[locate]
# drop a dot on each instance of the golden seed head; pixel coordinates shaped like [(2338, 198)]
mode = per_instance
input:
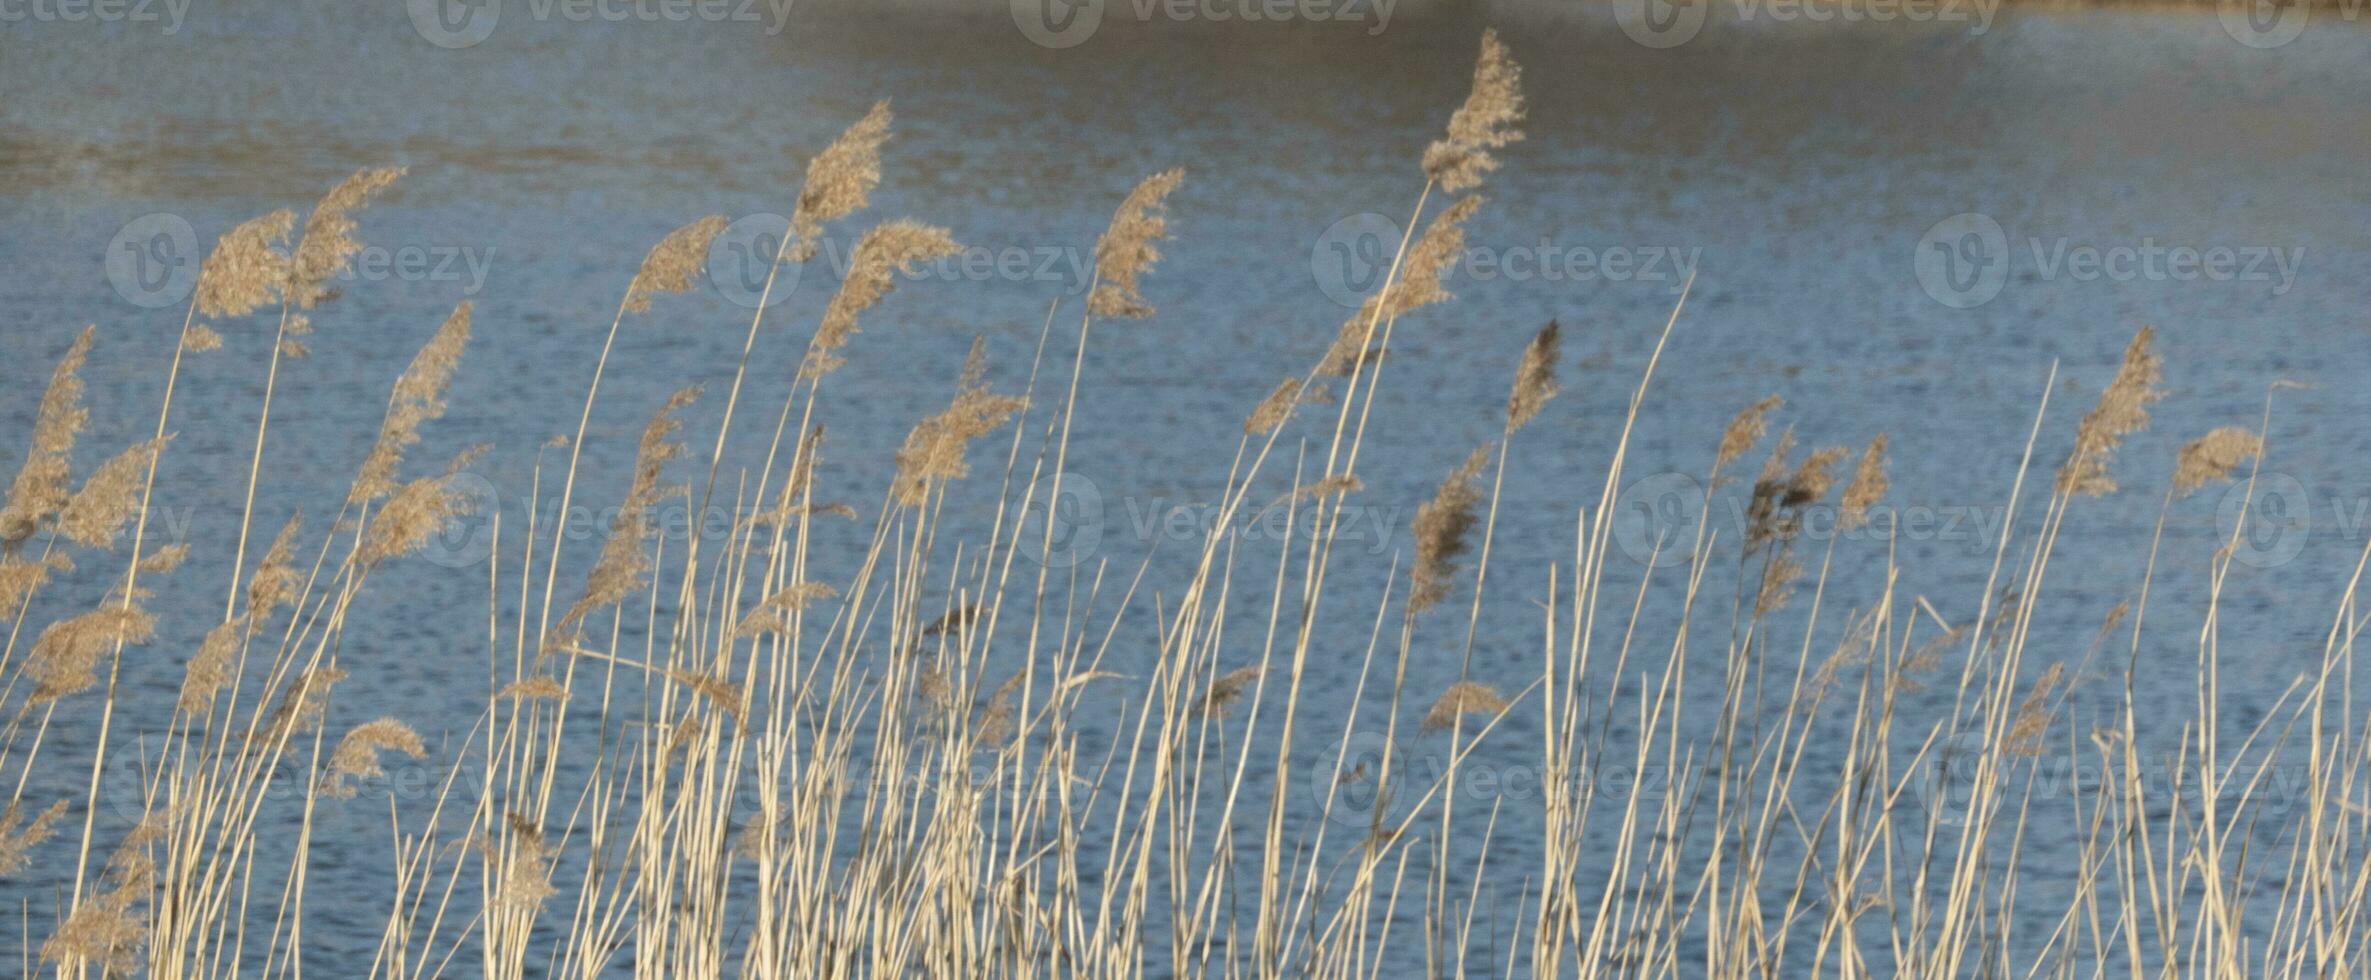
[(418, 398), (1226, 690), (1274, 410), (328, 242), (109, 497), (2212, 457), (1744, 431), (1535, 378), (2123, 409), (839, 180), (247, 268), (1461, 699), (1485, 122), (1867, 487), (1441, 526), (357, 755), (934, 450), (673, 265), (18, 839), (39, 491), (66, 656), (1418, 285), (884, 253), (1126, 250), (619, 571)]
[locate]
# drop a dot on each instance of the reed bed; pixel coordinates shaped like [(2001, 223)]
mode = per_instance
[(697, 757)]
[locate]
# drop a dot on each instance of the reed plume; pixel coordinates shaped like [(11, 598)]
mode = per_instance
[(328, 242), (1744, 432), (2211, 458), (2123, 409), (419, 398), (673, 265), (209, 671), (934, 449), (536, 687), (417, 511), (619, 571), (1866, 489), (1461, 699), (1419, 285), (18, 839), (1535, 379), (1126, 250), (1226, 690), (39, 490), (839, 180), (883, 254), (357, 754), (274, 582), (66, 656), (109, 497), (773, 615), (1485, 122), (1441, 526), (247, 270), (1274, 410)]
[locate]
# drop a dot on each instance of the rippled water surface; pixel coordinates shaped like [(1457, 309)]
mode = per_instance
[(1802, 172)]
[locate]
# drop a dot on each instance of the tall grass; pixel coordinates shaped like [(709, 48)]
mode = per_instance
[(698, 757)]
